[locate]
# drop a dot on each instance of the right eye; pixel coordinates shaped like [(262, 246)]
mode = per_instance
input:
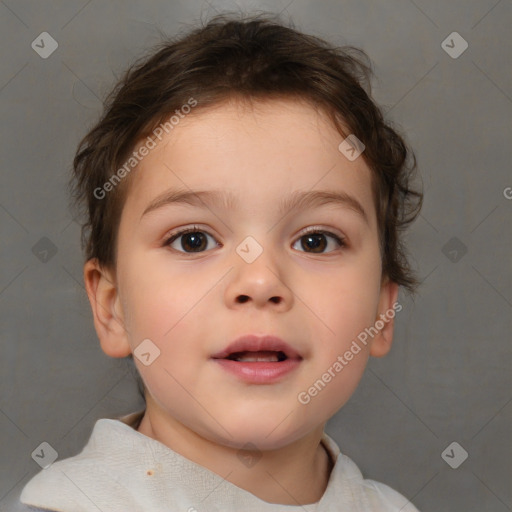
[(193, 240)]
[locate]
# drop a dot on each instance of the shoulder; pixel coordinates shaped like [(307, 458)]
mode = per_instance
[(369, 494), (385, 496), (90, 479), (70, 484)]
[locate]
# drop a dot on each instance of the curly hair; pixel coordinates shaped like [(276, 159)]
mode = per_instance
[(252, 58)]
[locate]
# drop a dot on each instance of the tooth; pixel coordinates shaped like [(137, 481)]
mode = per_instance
[(256, 359)]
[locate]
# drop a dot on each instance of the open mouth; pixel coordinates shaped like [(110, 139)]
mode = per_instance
[(268, 356), (259, 366), (257, 359)]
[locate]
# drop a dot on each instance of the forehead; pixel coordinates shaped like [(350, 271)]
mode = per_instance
[(257, 152)]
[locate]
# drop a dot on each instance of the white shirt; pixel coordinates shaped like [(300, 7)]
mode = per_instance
[(122, 470)]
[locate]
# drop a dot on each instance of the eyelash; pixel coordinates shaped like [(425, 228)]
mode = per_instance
[(194, 229)]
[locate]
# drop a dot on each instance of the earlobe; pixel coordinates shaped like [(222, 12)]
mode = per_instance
[(104, 299), (385, 321)]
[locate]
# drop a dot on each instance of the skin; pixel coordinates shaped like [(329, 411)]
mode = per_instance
[(192, 305)]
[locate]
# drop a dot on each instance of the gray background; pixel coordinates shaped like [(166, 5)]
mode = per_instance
[(448, 377)]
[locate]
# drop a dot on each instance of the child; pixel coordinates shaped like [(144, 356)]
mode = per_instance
[(244, 200)]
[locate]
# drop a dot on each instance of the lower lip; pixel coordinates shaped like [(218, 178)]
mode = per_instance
[(260, 372)]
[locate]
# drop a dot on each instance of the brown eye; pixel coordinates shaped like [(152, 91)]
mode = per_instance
[(317, 241), (189, 241)]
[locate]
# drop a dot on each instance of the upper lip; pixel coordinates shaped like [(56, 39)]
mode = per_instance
[(255, 343)]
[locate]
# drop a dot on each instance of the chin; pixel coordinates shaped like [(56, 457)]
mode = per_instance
[(265, 431)]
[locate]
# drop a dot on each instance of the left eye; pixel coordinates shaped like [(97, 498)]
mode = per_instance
[(316, 241)]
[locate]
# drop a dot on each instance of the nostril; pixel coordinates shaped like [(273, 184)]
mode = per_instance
[(245, 298)]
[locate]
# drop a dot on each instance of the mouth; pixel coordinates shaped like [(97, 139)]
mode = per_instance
[(258, 359), (254, 357), (253, 348)]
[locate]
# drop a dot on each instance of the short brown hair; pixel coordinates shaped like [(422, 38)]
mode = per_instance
[(253, 58)]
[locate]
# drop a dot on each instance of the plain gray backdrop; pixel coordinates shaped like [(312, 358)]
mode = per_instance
[(448, 376)]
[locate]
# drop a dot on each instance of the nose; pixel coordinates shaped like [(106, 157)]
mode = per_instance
[(262, 283)]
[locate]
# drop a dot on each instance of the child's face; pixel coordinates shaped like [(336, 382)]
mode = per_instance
[(312, 293)]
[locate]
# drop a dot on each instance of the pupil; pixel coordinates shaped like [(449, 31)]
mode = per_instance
[(195, 240), (314, 242)]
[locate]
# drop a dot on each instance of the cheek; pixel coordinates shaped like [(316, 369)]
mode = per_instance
[(345, 303), (155, 299), (152, 312), (331, 391), (169, 309)]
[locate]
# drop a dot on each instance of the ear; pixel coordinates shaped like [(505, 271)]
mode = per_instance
[(388, 307), (106, 308)]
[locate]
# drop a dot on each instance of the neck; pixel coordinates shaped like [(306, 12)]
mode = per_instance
[(296, 474)]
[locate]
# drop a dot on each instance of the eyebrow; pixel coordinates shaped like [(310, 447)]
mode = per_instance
[(296, 201)]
